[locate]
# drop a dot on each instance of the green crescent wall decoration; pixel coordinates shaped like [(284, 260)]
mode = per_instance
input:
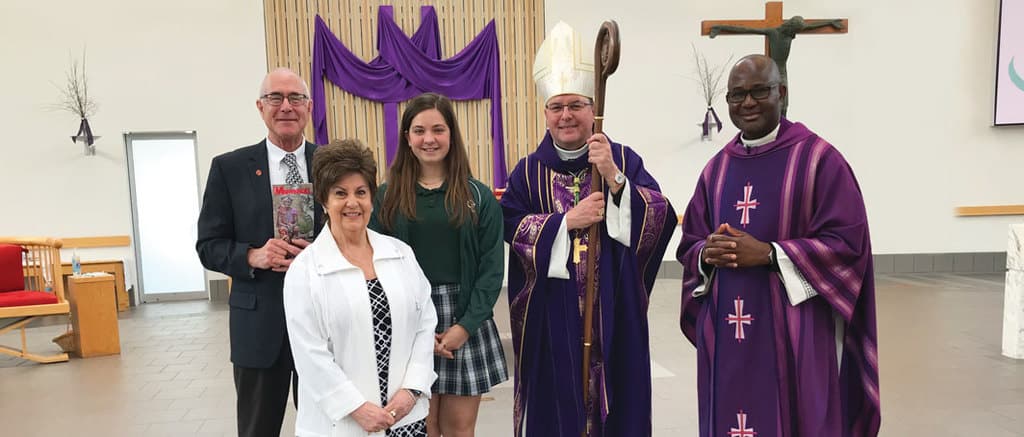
[(1017, 80)]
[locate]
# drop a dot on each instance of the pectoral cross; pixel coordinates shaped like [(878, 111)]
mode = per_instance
[(578, 247)]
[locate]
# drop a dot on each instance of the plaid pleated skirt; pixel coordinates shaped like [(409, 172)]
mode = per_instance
[(479, 364)]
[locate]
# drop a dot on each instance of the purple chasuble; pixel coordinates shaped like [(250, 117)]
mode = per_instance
[(766, 366), (547, 314)]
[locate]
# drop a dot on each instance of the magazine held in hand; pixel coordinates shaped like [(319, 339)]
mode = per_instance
[(293, 211)]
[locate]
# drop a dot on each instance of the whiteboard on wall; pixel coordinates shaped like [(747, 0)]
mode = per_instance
[(164, 186), (1010, 67)]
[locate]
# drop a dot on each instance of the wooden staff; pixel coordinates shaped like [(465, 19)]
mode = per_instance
[(606, 60)]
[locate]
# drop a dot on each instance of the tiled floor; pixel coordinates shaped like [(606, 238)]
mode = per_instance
[(942, 372)]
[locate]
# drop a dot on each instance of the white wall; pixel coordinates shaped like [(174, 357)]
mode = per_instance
[(906, 96), (909, 104), (152, 65)]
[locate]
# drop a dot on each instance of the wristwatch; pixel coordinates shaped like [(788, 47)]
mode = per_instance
[(620, 178), (415, 393)]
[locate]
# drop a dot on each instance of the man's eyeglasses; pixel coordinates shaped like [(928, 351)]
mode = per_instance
[(276, 99), (759, 93), (573, 107)]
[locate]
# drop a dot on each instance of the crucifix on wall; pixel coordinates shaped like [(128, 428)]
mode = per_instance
[(778, 33)]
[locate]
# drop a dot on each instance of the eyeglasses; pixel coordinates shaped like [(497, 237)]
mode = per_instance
[(759, 93), (276, 99), (573, 107)]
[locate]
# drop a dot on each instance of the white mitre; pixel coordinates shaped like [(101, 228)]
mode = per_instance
[(563, 65)]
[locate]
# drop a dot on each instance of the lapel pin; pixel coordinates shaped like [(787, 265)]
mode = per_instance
[(259, 172)]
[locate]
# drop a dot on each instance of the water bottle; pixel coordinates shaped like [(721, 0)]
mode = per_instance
[(76, 264)]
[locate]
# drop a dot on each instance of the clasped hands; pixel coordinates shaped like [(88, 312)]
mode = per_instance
[(376, 419), (732, 248), (449, 341), (276, 254)]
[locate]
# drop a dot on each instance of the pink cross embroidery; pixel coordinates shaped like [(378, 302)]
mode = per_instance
[(739, 319), (742, 430), (746, 204)]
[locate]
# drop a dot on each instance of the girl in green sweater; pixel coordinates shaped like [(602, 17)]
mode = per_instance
[(454, 225)]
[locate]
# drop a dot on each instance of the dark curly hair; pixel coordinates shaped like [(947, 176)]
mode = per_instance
[(339, 159)]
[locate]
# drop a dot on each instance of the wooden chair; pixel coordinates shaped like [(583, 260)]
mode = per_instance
[(31, 286)]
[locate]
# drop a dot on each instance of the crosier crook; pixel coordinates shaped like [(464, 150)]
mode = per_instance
[(606, 60)]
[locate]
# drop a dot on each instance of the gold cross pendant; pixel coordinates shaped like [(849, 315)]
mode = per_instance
[(578, 247)]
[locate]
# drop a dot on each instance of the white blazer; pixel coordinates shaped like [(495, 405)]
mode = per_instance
[(330, 327)]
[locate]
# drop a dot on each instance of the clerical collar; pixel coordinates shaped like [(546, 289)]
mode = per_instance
[(761, 141), (569, 155)]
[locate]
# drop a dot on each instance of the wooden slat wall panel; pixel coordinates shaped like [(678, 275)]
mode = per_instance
[(520, 29)]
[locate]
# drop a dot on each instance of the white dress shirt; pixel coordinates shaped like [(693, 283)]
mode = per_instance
[(278, 169)]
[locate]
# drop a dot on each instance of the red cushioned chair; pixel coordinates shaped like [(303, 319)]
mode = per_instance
[(31, 286)]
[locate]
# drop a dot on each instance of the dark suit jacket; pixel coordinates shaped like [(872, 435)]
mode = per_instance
[(237, 214)]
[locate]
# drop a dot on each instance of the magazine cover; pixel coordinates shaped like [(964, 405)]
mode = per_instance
[(293, 211)]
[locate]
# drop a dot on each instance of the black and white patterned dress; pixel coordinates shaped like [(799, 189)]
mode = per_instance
[(382, 342)]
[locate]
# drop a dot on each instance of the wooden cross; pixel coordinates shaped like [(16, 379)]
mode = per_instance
[(772, 19), (578, 247)]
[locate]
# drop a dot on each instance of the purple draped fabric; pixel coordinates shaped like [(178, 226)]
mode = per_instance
[(407, 67), (799, 192), (706, 125), (84, 131), (546, 313)]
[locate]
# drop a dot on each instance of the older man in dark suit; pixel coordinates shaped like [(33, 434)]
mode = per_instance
[(236, 238)]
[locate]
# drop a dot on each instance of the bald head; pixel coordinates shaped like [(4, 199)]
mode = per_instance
[(759, 64), (281, 74), (754, 94)]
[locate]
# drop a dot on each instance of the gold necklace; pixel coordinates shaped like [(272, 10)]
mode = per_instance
[(430, 185)]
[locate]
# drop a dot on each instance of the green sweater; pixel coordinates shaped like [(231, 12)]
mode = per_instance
[(481, 250), (433, 238)]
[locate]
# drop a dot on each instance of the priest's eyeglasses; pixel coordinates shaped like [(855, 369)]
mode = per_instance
[(276, 99), (573, 107), (759, 93)]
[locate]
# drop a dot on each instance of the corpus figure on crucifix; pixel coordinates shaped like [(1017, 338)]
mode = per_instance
[(548, 209), (779, 38), (778, 287), (778, 34)]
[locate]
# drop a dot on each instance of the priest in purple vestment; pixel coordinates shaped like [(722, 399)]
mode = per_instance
[(548, 207), (778, 288)]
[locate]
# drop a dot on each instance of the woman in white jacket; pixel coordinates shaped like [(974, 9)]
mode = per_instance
[(359, 314)]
